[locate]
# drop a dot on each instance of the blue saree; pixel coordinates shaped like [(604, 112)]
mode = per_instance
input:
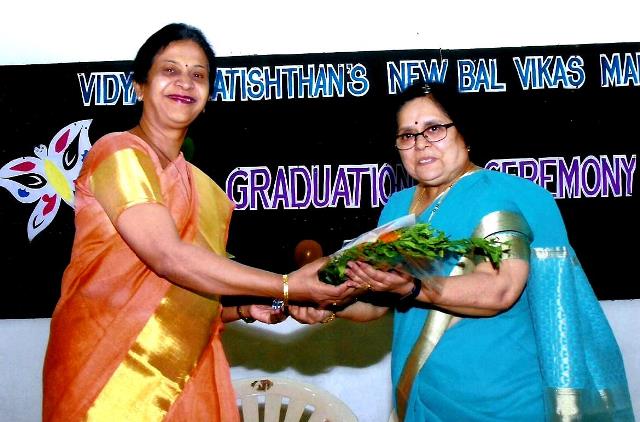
[(549, 357)]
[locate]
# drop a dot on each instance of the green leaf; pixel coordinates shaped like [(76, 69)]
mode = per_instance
[(419, 241)]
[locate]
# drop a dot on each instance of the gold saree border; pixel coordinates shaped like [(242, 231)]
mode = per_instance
[(434, 327), (134, 179), (214, 214), (501, 225), (509, 228), (566, 405), (553, 252), (156, 368), (500, 221)]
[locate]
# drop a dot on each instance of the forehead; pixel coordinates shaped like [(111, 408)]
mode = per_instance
[(184, 52), (419, 110)]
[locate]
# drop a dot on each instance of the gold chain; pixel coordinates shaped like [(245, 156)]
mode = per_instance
[(416, 203), (153, 146)]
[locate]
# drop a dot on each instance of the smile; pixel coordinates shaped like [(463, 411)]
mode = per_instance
[(427, 160), (183, 99)]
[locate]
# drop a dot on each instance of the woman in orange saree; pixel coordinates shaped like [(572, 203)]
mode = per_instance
[(135, 335)]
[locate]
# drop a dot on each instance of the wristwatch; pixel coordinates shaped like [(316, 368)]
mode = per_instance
[(415, 291)]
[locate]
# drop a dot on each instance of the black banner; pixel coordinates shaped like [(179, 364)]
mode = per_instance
[(304, 145)]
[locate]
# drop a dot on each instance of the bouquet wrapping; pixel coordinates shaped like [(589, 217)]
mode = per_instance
[(416, 247)]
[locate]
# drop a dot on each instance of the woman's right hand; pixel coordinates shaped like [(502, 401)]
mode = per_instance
[(392, 281), (305, 286)]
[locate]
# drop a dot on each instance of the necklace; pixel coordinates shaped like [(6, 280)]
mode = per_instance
[(139, 131), (143, 135), (441, 196)]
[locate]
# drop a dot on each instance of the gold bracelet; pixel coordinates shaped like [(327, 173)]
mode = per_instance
[(285, 292), (328, 319)]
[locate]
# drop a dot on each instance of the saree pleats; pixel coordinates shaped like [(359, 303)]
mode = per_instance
[(500, 226), (157, 366)]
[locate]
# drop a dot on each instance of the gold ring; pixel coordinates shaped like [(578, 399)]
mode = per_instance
[(328, 319)]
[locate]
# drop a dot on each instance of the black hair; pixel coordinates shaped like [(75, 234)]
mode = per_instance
[(452, 102), (161, 39)]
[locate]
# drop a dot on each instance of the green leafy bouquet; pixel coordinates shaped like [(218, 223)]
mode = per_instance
[(415, 247)]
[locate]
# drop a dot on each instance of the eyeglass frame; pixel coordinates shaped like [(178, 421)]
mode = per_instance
[(426, 137)]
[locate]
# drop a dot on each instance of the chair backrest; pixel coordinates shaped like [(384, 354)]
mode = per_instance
[(284, 400)]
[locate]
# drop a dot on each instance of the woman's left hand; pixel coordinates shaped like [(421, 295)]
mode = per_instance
[(309, 315), (305, 287), (266, 314), (392, 281)]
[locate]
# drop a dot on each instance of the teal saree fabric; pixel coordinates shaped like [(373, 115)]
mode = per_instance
[(552, 356)]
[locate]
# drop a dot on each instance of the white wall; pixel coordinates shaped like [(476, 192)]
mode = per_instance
[(347, 359), (43, 31)]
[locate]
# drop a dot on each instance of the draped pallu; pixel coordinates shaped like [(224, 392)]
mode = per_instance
[(551, 356), (126, 344)]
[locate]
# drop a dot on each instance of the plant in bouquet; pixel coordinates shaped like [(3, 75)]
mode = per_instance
[(416, 247)]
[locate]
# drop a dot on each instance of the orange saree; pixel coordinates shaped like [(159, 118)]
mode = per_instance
[(125, 344)]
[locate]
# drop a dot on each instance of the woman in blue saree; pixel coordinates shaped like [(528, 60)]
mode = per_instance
[(525, 341)]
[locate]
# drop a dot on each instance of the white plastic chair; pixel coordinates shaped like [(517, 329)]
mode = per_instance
[(285, 400)]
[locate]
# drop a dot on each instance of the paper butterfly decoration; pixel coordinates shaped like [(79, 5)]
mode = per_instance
[(49, 176)]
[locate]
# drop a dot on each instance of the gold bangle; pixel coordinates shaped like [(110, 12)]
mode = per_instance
[(328, 319), (285, 292)]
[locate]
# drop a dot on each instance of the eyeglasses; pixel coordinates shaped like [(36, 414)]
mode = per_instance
[(433, 133)]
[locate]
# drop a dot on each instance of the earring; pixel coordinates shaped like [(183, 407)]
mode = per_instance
[(468, 149), (203, 110)]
